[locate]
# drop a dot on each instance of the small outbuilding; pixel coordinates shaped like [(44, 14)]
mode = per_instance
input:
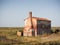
[(36, 26)]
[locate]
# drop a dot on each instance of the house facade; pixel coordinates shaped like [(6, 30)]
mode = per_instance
[(36, 26)]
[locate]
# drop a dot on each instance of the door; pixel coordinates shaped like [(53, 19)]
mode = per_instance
[(33, 32)]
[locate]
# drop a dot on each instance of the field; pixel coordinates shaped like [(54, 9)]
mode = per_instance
[(8, 36)]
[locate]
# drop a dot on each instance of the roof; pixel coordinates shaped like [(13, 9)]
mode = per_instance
[(37, 18)]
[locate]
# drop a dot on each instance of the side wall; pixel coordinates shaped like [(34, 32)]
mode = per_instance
[(27, 29)]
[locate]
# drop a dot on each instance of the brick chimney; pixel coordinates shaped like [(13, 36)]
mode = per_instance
[(30, 14)]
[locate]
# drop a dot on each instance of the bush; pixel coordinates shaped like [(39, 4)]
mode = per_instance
[(57, 30)]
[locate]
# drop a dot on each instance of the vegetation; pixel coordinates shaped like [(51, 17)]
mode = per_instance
[(8, 36)]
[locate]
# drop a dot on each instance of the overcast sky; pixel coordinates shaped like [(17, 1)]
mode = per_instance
[(13, 12)]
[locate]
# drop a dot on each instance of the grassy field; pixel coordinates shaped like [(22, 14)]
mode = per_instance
[(8, 36)]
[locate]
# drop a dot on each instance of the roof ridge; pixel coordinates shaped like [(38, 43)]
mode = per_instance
[(38, 18)]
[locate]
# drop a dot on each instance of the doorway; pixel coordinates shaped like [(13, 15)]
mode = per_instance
[(33, 32)]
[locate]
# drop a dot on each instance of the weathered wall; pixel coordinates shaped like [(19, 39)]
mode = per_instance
[(27, 29)]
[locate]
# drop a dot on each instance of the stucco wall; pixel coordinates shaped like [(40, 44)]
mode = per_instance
[(27, 29)]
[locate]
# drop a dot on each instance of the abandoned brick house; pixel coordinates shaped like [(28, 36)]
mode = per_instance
[(36, 26)]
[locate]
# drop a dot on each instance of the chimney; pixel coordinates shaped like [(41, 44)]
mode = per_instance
[(30, 14)]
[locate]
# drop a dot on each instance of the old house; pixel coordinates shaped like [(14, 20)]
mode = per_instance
[(36, 26)]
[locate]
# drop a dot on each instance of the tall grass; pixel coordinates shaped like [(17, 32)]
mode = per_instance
[(9, 37)]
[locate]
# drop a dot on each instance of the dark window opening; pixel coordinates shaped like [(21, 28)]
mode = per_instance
[(43, 26)]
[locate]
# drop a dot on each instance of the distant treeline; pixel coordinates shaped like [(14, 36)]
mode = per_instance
[(11, 27), (21, 28)]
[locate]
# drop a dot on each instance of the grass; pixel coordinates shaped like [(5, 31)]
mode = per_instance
[(8, 36)]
